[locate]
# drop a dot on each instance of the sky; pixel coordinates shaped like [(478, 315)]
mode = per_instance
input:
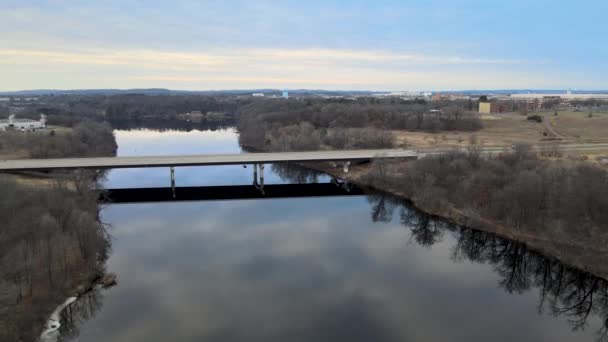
[(346, 45)]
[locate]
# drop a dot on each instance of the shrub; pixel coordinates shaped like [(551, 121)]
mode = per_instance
[(535, 117)]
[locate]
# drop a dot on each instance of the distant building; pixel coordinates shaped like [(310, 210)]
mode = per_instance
[(561, 97), (285, 94), (485, 107), (257, 94), (495, 107), (22, 124), (439, 97)]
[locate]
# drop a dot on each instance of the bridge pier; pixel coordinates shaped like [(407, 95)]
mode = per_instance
[(346, 165), (262, 177), (255, 174), (172, 169), (258, 185)]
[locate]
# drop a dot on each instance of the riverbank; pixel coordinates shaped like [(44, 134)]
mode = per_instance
[(53, 247), (52, 244), (571, 245)]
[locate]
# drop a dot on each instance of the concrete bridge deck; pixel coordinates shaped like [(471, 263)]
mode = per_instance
[(199, 160)]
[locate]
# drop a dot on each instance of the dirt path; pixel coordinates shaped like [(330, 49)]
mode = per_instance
[(547, 120)]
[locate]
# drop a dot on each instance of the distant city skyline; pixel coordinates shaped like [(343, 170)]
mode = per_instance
[(333, 45)]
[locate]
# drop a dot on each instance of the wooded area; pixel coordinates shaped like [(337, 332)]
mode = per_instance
[(562, 199), (51, 241), (309, 124), (68, 110), (86, 139)]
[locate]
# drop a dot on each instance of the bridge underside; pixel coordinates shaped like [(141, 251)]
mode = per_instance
[(229, 192)]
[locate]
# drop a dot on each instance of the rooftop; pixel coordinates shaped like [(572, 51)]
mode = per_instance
[(17, 120), (564, 96)]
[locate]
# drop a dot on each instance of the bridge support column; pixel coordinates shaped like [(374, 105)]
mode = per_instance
[(262, 178), (346, 165), (258, 184), (255, 174), (172, 180)]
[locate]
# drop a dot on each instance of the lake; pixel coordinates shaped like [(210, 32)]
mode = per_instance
[(356, 268)]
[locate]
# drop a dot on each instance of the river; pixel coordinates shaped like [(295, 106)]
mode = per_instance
[(359, 268)]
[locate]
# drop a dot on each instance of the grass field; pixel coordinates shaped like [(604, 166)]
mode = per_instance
[(503, 130), (511, 128), (577, 126)]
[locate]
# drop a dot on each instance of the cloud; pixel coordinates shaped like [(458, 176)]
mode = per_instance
[(232, 57), (252, 68)]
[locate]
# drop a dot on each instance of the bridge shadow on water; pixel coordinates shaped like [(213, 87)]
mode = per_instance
[(228, 192)]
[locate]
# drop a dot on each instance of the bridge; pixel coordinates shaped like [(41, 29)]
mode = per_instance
[(345, 157), (257, 159), (199, 160)]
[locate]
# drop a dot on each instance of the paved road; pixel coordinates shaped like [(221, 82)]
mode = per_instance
[(499, 149), (244, 158), (198, 160)]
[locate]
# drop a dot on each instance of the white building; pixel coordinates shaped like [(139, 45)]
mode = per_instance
[(564, 97), (257, 94), (22, 124)]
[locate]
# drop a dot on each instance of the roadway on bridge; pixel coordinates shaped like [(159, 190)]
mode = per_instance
[(199, 160), (248, 158)]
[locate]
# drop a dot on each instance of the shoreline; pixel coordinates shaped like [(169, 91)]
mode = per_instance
[(50, 332), (567, 252)]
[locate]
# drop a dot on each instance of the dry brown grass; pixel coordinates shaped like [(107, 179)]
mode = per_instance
[(508, 129), (6, 155), (35, 180), (577, 126)]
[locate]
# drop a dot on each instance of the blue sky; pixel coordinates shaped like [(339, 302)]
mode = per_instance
[(376, 45)]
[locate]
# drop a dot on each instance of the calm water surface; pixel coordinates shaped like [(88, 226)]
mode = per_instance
[(315, 269)]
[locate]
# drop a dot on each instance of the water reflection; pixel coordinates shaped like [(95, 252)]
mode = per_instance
[(288, 289), (297, 174), (564, 291), (318, 269), (79, 312)]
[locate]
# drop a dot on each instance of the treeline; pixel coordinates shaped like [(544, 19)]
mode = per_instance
[(173, 125), (564, 199), (137, 107), (51, 242), (364, 123), (86, 139), (68, 110)]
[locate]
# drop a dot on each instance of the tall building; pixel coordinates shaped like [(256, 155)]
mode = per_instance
[(285, 94)]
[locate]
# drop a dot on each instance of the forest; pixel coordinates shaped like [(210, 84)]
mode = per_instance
[(311, 124), (51, 242), (86, 139), (68, 110), (561, 199)]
